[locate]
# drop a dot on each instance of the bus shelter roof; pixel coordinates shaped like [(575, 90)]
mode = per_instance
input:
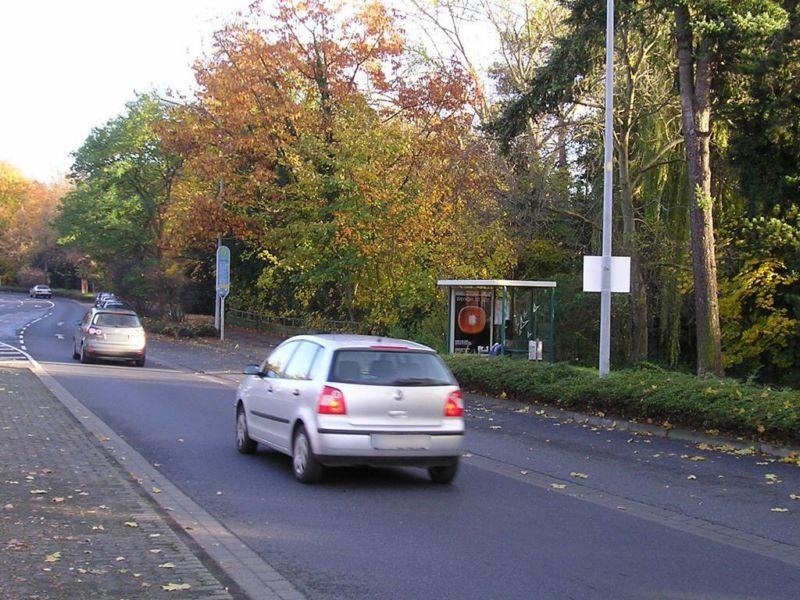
[(463, 283)]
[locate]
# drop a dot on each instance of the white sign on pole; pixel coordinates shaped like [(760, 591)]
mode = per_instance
[(620, 274)]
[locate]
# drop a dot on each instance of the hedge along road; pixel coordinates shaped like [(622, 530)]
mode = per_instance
[(541, 509)]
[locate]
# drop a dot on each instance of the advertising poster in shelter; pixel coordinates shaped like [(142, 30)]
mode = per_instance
[(473, 312)]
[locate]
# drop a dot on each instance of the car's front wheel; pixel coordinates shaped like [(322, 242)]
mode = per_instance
[(444, 473), (305, 465), (244, 443)]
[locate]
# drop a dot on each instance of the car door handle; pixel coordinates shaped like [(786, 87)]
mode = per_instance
[(295, 392)]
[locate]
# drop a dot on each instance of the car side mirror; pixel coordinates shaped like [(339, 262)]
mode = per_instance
[(252, 370)]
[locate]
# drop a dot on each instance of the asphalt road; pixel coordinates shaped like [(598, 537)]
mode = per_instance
[(542, 508)]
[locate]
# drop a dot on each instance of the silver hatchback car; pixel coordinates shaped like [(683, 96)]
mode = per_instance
[(109, 333), (337, 400)]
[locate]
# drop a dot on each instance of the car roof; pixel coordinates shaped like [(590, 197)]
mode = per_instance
[(114, 310), (338, 341)]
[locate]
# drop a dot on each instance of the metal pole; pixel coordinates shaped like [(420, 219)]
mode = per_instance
[(220, 197), (216, 295), (222, 318), (608, 180)]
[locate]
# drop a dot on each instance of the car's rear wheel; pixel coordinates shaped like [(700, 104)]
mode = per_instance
[(85, 358), (444, 473), (244, 443), (305, 465)]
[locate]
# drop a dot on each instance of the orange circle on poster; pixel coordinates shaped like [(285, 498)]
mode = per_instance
[(471, 319)]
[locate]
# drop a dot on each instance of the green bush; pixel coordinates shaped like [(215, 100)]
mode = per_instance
[(647, 394)]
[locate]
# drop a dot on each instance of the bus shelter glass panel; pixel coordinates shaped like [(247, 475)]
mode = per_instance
[(473, 320), (527, 321)]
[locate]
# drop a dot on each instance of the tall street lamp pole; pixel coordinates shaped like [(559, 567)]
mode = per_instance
[(608, 180)]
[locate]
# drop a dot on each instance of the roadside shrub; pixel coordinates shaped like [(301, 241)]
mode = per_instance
[(644, 394), (179, 330)]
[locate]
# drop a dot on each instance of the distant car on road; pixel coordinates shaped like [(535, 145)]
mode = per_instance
[(113, 302), (41, 291), (102, 297), (331, 400), (109, 333)]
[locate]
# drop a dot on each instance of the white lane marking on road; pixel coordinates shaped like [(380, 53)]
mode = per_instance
[(11, 353)]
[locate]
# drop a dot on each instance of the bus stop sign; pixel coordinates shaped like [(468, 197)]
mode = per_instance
[(223, 271)]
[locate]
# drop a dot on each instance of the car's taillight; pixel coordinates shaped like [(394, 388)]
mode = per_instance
[(455, 405), (331, 402), (94, 331)]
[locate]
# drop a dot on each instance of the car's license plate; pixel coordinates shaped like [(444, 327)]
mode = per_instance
[(388, 441)]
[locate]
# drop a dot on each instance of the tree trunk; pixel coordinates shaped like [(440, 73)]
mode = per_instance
[(694, 77)]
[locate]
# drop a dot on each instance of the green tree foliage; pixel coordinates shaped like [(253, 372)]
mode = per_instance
[(116, 213), (760, 301)]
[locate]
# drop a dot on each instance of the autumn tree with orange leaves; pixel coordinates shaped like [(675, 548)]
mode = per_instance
[(350, 175), (28, 252)]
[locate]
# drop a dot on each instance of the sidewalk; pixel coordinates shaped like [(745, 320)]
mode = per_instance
[(74, 524)]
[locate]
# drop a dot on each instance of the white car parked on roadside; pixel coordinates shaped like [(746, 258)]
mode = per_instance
[(337, 400)]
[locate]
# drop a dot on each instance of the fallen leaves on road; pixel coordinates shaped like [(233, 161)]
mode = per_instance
[(692, 477), (558, 486), (792, 459), (176, 587), (779, 510), (167, 565), (579, 475), (54, 557), (131, 524)]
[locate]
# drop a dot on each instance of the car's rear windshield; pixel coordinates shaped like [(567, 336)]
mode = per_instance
[(117, 320), (389, 367)]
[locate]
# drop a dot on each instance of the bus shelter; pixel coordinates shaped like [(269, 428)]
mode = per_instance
[(499, 316)]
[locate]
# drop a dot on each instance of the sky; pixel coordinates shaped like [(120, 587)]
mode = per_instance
[(71, 65), (68, 66)]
